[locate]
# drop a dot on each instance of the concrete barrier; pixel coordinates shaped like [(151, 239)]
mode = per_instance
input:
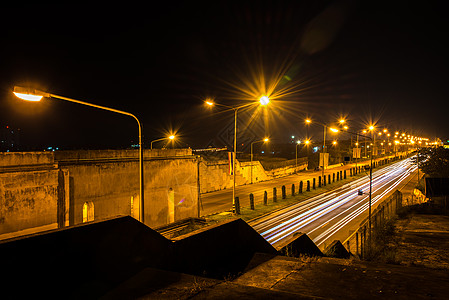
[(219, 251), (337, 250), (82, 261), (298, 244)]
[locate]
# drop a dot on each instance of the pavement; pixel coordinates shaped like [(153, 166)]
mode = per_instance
[(283, 277)]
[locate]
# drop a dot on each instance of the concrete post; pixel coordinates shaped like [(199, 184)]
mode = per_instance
[(319, 181), (308, 186), (293, 189), (344, 174), (284, 194), (329, 178), (300, 187), (333, 177), (237, 205), (314, 183), (265, 198), (251, 201), (324, 180)]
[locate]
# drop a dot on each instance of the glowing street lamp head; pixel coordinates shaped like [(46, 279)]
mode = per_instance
[(28, 94), (333, 129), (342, 121), (209, 102), (371, 128), (265, 139), (171, 137), (306, 142), (264, 100), (308, 121)]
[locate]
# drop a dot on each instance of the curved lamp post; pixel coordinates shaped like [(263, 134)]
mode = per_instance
[(171, 137), (264, 100), (29, 94)]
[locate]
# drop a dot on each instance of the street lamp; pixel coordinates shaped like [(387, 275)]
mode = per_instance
[(308, 121), (263, 100), (171, 137), (264, 140), (29, 94)]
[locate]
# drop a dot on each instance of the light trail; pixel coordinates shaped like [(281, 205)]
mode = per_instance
[(340, 206)]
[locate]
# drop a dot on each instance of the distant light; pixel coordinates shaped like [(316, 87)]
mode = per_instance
[(262, 152), (210, 103), (171, 137), (28, 97), (333, 129), (371, 127), (264, 100), (293, 136), (266, 140), (308, 121), (298, 142)]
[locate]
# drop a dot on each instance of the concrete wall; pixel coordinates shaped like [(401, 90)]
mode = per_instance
[(46, 190), (214, 176), (29, 193), (110, 180)]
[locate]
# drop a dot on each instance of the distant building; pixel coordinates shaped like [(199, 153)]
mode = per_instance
[(9, 138)]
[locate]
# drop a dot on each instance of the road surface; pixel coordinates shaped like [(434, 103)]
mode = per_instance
[(328, 216), (220, 201)]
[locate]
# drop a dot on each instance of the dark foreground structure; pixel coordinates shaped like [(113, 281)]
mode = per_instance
[(121, 258)]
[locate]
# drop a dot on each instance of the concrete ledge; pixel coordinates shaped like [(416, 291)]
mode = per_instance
[(336, 250), (219, 251), (298, 244), (81, 261)]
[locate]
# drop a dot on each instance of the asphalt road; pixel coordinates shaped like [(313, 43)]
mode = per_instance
[(332, 215), (220, 201)]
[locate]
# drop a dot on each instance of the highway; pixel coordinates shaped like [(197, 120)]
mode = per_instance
[(330, 215), (220, 201)]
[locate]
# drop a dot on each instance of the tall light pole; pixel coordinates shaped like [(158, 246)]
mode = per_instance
[(264, 100), (296, 160), (264, 140), (36, 95), (171, 137)]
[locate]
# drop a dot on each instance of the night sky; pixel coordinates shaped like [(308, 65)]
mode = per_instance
[(384, 62)]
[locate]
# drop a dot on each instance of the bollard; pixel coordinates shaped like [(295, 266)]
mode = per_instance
[(251, 201), (300, 187), (338, 176), (275, 197), (324, 180), (341, 175), (329, 178), (265, 198), (284, 194), (237, 206), (314, 183), (308, 185), (319, 181), (293, 189), (333, 177), (344, 174), (350, 172)]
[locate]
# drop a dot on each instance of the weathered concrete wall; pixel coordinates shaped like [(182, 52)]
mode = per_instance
[(14, 159), (28, 198), (45, 190), (214, 176), (110, 180)]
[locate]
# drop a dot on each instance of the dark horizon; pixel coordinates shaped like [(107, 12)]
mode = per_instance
[(384, 64)]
